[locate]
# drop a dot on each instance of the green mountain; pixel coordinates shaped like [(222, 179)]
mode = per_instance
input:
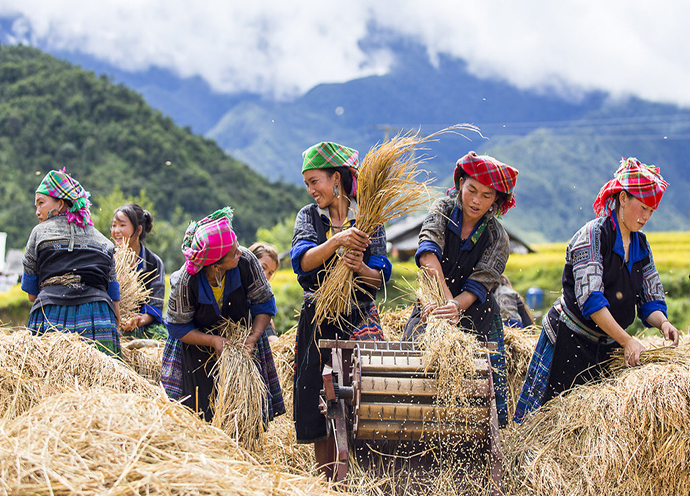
[(53, 114)]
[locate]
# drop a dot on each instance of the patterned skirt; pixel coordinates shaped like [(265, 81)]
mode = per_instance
[(93, 321)]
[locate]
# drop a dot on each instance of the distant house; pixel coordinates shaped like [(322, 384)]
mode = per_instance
[(403, 237)]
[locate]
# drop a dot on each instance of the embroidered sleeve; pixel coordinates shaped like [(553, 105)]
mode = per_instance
[(652, 297), (30, 255), (304, 237), (379, 254), (258, 288), (584, 254), (434, 226), (493, 262), (181, 304)]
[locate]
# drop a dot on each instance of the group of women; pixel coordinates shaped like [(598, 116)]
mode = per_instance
[(609, 275)]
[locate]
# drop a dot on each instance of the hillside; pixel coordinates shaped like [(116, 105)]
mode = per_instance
[(53, 114)]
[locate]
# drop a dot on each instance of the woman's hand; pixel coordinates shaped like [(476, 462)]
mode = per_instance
[(131, 324), (631, 351), (670, 332), (354, 259), (450, 311), (250, 344), (427, 308), (218, 344), (353, 239)]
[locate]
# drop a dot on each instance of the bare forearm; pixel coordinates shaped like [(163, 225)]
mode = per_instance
[(317, 256), (369, 276), (199, 338), (608, 324)]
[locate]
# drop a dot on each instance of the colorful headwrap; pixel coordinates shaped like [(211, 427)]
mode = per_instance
[(327, 155), (61, 186), (207, 241), (642, 181), (490, 172)]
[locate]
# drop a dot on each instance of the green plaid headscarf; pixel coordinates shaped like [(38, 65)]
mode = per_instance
[(58, 184), (328, 155)]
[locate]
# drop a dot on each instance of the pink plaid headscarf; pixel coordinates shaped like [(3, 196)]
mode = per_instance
[(207, 241)]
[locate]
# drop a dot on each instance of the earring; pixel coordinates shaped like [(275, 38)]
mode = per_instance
[(336, 190), (219, 281)]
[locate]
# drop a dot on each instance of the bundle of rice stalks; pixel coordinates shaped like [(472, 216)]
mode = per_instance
[(387, 188), (655, 353), (133, 291), (623, 436), (519, 348), (145, 356), (393, 322), (240, 395), (36, 367), (99, 442), (448, 350)]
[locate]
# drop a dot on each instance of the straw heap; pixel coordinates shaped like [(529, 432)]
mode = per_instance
[(36, 367), (99, 442), (448, 351), (133, 291), (240, 394), (393, 321), (657, 351), (387, 188), (519, 348), (623, 436), (145, 356)]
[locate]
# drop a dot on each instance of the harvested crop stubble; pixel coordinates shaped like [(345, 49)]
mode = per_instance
[(623, 436), (100, 442), (133, 290), (36, 367), (145, 356), (240, 395), (387, 188), (519, 348), (448, 351)]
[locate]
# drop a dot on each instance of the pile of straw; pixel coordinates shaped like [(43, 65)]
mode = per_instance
[(133, 291), (624, 436), (519, 348), (36, 367), (448, 351), (145, 356), (240, 394), (393, 322), (658, 351), (100, 442), (387, 188)]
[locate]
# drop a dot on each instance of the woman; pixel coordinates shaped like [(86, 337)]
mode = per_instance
[(219, 279), (130, 225), (609, 273), (267, 255), (462, 240), (69, 268), (322, 230)]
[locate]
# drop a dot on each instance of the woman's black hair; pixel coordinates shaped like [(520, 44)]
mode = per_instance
[(138, 217), (501, 197), (345, 177)]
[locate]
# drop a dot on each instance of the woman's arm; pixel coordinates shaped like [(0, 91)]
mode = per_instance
[(259, 324), (631, 346), (198, 338), (351, 238), (452, 309), (659, 320)]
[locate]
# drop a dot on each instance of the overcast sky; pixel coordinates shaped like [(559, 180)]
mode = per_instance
[(283, 48)]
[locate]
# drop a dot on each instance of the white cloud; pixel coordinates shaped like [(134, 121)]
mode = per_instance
[(286, 47)]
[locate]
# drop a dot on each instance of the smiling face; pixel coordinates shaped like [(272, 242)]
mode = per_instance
[(476, 199), (632, 213), (47, 206), (269, 265), (320, 186), (122, 229)]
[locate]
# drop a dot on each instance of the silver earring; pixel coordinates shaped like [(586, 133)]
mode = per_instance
[(219, 281), (336, 190)]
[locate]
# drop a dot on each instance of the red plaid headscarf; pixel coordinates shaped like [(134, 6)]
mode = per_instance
[(490, 172), (642, 181), (207, 241)]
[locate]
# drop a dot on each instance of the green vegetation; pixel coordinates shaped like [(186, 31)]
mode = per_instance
[(53, 114)]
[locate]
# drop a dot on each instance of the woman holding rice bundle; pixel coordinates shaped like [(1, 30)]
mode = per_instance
[(69, 268), (462, 239), (609, 273), (130, 225), (219, 279), (322, 231)]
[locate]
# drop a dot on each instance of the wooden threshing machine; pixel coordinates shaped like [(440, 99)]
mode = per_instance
[(379, 391)]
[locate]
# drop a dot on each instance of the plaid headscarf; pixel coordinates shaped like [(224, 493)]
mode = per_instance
[(207, 241), (642, 181), (63, 187), (328, 155), (490, 172)]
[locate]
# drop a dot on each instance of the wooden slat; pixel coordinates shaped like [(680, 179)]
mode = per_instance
[(383, 345), (371, 364), (418, 431), (462, 416), (393, 386)]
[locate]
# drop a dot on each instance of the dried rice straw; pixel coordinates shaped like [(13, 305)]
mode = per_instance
[(623, 436), (145, 356), (519, 348), (240, 395), (96, 442), (393, 321), (36, 367), (133, 290), (656, 353), (387, 188)]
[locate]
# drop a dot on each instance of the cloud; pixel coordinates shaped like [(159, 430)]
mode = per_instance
[(283, 48)]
